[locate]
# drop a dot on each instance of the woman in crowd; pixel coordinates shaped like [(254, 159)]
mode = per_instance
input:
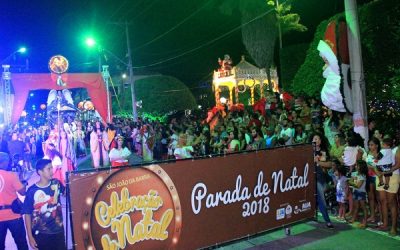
[(119, 156), (300, 136), (182, 150), (337, 148), (331, 126), (321, 155), (233, 142), (305, 113), (388, 198), (352, 152), (371, 158)]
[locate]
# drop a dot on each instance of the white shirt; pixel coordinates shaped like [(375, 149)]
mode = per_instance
[(119, 155), (394, 151), (387, 157), (183, 152), (289, 132)]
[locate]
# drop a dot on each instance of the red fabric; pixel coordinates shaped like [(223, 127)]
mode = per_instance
[(93, 82), (343, 43), (260, 106), (237, 107), (330, 36)]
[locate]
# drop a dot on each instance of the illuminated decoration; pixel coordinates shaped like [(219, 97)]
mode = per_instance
[(43, 106), (23, 114), (88, 105), (80, 105), (223, 100), (58, 65), (239, 78)]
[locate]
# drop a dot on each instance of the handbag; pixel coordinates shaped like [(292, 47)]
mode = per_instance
[(16, 206)]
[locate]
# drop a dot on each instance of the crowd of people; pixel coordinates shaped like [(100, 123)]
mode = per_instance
[(364, 179)]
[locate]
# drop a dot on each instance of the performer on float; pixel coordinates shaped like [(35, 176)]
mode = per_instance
[(226, 66), (147, 143), (99, 146), (60, 104), (119, 156)]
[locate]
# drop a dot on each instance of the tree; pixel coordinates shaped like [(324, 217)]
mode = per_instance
[(259, 33), (163, 94), (286, 21), (260, 22)]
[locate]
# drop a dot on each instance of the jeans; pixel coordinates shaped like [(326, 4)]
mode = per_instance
[(321, 201), (17, 230)]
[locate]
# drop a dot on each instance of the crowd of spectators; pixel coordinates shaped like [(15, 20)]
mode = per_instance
[(366, 178)]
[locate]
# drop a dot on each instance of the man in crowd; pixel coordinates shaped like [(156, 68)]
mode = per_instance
[(9, 186), (42, 210)]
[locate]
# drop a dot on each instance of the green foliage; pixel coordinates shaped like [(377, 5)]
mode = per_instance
[(291, 58), (380, 39), (309, 81), (157, 96), (380, 33), (162, 94), (288, 21)]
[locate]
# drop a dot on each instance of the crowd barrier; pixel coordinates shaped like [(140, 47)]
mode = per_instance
[(194, 203)]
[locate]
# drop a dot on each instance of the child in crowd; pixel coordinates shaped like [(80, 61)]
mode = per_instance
[(341, 190), (358, 183), (385, 162)]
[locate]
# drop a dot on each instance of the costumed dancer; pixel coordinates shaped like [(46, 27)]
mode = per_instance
[(99, 146), (119, 156), (67, 152), (147, 143), (79, 141)]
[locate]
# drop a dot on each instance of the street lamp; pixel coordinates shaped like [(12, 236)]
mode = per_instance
[(21, 50)]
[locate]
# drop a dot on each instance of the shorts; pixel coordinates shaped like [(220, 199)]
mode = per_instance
[(371, 179), (393, 184), (359, 196)]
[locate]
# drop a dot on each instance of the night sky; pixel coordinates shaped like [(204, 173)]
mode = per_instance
[(181, 38)]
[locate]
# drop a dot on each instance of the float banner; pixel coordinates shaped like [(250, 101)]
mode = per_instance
[(192, 203)]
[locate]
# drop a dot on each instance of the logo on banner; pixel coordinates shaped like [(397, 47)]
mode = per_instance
[(305, 206), (134, 207), (288, 211), (280, 213)]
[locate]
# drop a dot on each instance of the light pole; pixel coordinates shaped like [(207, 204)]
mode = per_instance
[(106, 77), (91, 42), (21, 50), (5, 88)]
